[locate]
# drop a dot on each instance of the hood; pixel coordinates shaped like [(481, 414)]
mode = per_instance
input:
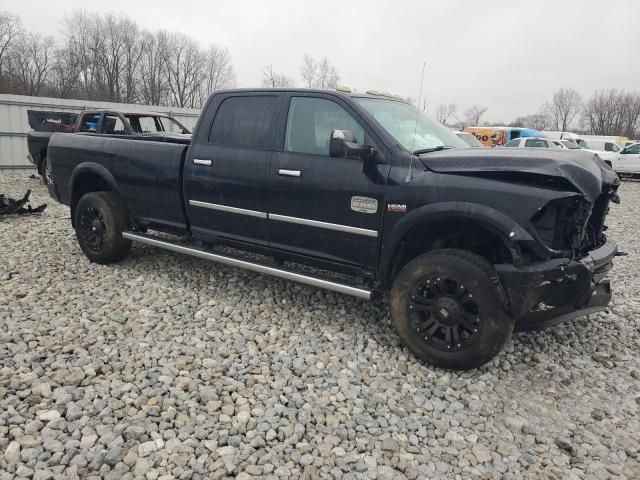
[(583, 171)]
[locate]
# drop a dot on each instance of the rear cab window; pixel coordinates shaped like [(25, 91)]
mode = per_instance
[(89, 122), (309, 124), (536, 143), (246, 121), (513, 143)]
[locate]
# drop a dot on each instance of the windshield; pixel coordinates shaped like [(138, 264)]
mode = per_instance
[(470, 139), (410, 127), (570, 144)]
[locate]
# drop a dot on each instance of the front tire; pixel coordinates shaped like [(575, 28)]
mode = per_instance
[(99, 220), (446, 309)]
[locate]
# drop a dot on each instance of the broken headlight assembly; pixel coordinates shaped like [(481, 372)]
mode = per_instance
[(562, 224)]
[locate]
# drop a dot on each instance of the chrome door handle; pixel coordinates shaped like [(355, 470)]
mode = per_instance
[(289, 173), (197, 161)]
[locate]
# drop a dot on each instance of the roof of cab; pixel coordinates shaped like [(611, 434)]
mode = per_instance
[(125, 113), (350, 94)]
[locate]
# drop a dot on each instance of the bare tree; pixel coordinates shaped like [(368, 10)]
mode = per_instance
[(10, 30), (65, 72), (84, 39), (273, 79), (308, 71), (318, 74), (30, 60), (184, 63), (473, 114), (537, 121), (219, 72), (563, 108), (443, 112), (612, 112), (153, 79)]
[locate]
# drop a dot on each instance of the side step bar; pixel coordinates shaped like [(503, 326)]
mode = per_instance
[(255, 267)]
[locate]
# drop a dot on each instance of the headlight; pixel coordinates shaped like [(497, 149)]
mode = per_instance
[(561, 223)]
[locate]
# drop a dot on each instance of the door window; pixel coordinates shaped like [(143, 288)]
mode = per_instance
[(111, 124), (513, 143), (611, 147), (89, 123), (247, 121), (310, 122)]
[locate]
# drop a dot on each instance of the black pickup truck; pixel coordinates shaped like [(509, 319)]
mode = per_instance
[(151, 125), (364, 195)]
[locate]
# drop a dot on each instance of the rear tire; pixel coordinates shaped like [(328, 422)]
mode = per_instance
[(446, 309), (99, 220)]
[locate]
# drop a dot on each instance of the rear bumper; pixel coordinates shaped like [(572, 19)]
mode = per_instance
[(547, 293)]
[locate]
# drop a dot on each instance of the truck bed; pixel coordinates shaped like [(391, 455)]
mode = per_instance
[(145, 171)]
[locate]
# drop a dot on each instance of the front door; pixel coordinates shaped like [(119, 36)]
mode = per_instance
[(227, 168), (324, 207), (628, 160)]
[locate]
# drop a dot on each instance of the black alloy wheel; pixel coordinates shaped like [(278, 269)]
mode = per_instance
[(93, 229), (444, 313)]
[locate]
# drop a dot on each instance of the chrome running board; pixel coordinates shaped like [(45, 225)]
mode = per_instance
[(255, 267)]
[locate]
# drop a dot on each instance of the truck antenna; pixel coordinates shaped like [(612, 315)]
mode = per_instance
[(415, 126)]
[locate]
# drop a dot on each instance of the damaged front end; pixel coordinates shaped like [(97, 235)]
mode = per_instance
[(571, 282)]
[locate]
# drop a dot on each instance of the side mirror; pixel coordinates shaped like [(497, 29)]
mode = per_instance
[(343, 144)]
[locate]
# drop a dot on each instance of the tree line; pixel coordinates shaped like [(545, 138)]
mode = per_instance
[(606, 112), (108, 57)]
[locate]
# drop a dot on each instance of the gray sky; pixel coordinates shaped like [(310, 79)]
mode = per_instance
[(507, 55)]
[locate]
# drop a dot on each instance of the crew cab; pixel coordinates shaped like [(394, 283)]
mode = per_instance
[(466, 244), (156, 126)]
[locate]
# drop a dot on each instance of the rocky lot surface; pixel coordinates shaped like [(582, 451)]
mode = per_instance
[(166, 367)]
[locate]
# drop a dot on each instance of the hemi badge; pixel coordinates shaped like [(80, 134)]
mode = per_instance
[(364, 204), (397, 207)]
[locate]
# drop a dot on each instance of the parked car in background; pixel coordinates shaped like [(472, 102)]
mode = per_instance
[(158, 126), (556, 135), (627, 163), (470, 139), (537, 142), (534, 142)]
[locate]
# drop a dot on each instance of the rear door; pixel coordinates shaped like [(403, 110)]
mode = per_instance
[(320, 206), (227, 167)]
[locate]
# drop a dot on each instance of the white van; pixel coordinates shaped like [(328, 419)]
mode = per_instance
[(603, 145)]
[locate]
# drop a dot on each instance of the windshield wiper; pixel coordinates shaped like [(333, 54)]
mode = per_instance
[(429, 150)]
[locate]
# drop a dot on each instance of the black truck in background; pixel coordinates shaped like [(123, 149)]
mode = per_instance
[(151, 125), (467, 244)]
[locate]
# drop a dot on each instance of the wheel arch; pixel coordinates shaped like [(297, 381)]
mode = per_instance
[(421, 230), (89, 177)]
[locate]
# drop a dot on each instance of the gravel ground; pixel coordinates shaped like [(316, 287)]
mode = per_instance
[(164, 366)]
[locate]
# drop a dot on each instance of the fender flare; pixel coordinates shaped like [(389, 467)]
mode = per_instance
[(96, 169), (498, 222)]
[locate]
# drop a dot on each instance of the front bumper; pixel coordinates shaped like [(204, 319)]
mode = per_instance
[(547, 293)]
